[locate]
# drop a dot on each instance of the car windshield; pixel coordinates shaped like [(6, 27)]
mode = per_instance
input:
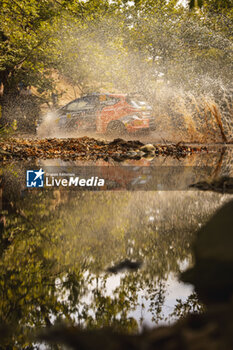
[(77, 105), (138, 103)]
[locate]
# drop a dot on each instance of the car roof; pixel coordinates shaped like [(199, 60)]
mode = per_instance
[(95, 94), (119, 95), (105, 93)]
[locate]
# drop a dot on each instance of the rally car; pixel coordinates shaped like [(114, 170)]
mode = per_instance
[(105, 114)]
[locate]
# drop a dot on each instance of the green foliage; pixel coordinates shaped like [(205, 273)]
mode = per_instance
[(25, 46), (7, 130), (212, 5), (195, 3), (143, 44), (119, 45), (28, 32)]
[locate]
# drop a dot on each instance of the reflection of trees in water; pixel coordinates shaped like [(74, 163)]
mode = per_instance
[(56, 245), (192, 304)]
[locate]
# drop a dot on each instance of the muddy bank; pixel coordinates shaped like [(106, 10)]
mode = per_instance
[(90, 148)]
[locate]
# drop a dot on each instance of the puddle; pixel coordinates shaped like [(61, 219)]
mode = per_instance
[(57, 243)]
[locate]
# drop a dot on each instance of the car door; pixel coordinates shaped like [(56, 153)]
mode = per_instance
[(89, 112), (81, 114), (68, 114)]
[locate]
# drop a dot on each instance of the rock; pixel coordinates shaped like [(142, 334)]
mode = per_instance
[(117, 141), (148, 156), (149, 148), (222, 185), (213, 253)]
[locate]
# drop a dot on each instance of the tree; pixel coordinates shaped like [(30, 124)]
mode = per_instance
[(26, 41), (216, 6)]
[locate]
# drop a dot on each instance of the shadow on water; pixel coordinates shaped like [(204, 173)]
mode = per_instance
[(58, 250)]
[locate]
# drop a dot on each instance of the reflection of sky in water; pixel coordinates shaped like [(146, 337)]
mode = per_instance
[(174, 290)]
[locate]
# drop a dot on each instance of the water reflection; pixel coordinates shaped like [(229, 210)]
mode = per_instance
[(56, 246)]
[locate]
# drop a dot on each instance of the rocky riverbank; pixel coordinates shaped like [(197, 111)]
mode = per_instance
[(90, 148)]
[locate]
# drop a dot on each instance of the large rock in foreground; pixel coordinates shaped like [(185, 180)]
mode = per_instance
[(212, 274)]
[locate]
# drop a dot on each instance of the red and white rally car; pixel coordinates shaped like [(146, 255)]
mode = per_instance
[(105, 113)]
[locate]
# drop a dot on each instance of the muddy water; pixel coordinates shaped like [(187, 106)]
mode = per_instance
[(56, 244)]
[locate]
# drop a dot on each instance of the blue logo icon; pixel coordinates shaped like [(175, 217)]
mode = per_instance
[(35, 178)]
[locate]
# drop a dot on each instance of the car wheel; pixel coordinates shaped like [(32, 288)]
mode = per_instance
[(116, 128)]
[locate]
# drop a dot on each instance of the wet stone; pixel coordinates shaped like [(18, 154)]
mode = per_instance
[(149, 148)]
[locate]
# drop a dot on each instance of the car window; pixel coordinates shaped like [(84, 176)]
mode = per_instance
[(82, 104), (74, 106), (107, 100)]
